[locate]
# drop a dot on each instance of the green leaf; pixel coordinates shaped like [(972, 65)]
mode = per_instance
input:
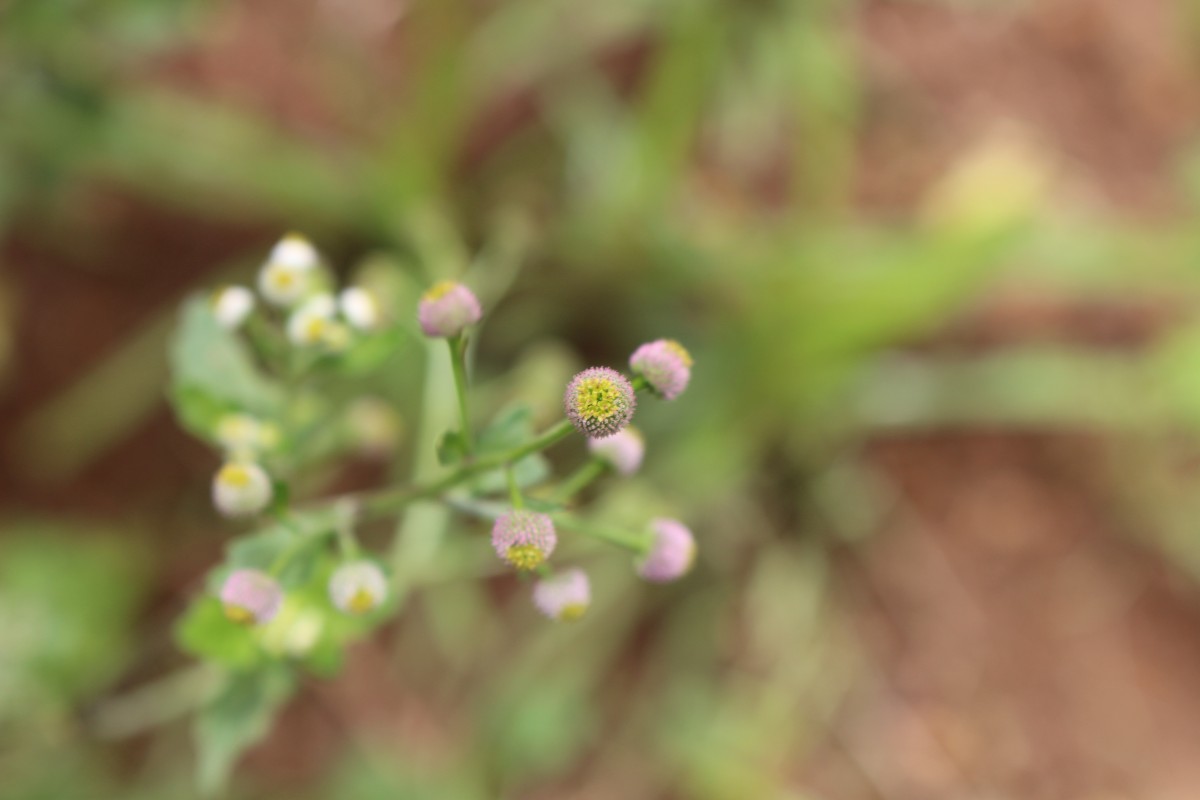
[(238, 718), (212, 373), (510, 428), (205, 632), (529, 471), (451, 449)]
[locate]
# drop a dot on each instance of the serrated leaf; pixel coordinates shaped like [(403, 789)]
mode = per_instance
[(239, 717), (213, 373)]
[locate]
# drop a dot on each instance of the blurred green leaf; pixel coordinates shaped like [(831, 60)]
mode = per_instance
[(238, 718), (212, 373)]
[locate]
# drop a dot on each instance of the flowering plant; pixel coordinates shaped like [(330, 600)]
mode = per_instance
[(273, 386)]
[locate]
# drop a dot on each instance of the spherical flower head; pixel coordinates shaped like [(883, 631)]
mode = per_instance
[(232, 305), (241, 488), (448, 309), (665, 364), (622, 451), (251, 596), (599, 402), (672, 551), (564, 596), (313, 322), (358, 587), (359, 308), (287, 275), (524, 538)]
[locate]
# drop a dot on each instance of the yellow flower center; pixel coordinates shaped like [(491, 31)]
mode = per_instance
[(360, 602), (599, 398), (679, 350), (238, 614), (525, 556), (572, 612), (234, 475), (314, 328), (283, 278), (439, 290)]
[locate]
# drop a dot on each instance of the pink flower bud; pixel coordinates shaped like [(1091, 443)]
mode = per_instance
[(524, 538), (448, 309), (665, 365), (564, 596), (251, 596), (672, 551)]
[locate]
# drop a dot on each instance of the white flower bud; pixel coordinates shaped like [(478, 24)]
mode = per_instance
[(359, 308), (244, 436), (241, 488), (232, 305), (312, 323), (287, 275)]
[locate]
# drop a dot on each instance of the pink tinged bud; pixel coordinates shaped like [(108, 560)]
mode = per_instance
[(622, 451), (358, 587), (524, 538), (448, 309), (251, 596), (672, 551), (564, 596), (241, 489), (599, 402), (665, 365)]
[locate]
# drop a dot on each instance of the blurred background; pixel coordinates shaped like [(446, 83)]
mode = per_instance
[(938, 264)]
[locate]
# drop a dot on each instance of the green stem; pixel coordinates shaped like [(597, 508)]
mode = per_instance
[(637, 543), (458, 359), (389, 501), (639, 383), (578, 480), (514, 491)]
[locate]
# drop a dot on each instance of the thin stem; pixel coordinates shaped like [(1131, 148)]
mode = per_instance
[(389, 501), (578, 480), (514, 491), (637, 543), (458, 359)]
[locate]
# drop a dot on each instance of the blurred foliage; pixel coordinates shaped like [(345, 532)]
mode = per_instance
[(711, 197)]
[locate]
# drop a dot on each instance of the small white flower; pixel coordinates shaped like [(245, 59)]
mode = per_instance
[(244, 436), (232, 305), (241, 488), (358, 587), (312, 323), (359, 308), (288, 273)]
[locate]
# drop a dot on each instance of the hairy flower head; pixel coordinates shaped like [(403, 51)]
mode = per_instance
[(524, 538), (358, 587), (599, 402), (672, 551), (447, 309), (288, 273), (251, 596), (622, 451), (564, 596), (665, 364), (241, 488)]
